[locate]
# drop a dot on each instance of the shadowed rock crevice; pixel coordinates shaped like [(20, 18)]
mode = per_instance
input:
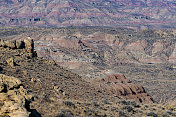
[(33, 112), (1, 69)]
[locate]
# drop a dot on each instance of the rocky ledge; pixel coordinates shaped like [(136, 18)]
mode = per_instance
[(26, 44), (14, 99)]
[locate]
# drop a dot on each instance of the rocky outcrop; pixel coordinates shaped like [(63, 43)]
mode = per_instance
[(10, 44), (119, 86), (29, 45), (14, 99), (25, 44)]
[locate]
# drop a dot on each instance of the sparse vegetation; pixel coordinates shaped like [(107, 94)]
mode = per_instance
[(60, 92)]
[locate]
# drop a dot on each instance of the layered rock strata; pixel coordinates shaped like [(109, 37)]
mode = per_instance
[(119, 86)]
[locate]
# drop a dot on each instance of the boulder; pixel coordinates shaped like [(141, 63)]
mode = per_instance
[(29, 45)]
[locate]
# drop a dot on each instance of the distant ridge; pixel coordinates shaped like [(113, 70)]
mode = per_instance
[(135, 14)]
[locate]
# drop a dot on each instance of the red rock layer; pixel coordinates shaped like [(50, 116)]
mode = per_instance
[(88, 13), (119, 86)]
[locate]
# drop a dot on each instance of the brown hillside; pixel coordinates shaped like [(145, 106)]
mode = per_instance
[(48, 81)]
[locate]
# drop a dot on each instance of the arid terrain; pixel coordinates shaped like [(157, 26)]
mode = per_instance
[(33, 86), (135, 14), (87, 58), (145, 57)]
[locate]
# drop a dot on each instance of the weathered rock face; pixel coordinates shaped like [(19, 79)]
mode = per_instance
[(26, 44), (29, 45), (118, 85), (13, 97)]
